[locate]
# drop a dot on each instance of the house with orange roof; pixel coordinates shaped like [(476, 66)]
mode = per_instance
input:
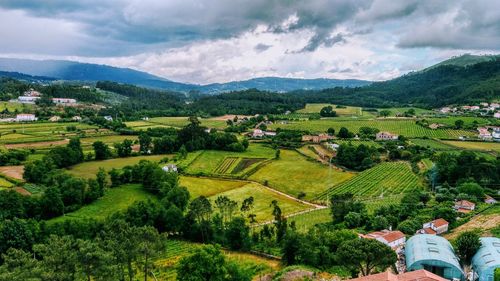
[(464, 206), (434, 227), (393, 239)]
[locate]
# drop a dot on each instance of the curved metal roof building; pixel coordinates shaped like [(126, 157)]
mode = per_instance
[(487, 258), (432, 253)]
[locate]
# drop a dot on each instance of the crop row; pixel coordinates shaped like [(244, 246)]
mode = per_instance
[(385, 178), (225, 165)]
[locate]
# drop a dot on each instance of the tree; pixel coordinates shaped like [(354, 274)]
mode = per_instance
[(101, 150), (51, 203), (471, 189), (237, 234), (466, 245), (101, 178), (150, 246), (384, 113), (94, 262), (344, 133), (124, 149), (331, 131), (327, 111), (209, 264), (144, 143), (19, 265), (343, 204), (366, 255), (459, 124), (58, 258)]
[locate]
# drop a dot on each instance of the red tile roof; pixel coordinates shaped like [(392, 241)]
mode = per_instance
[(429, 230), (418, 275), (439, 222), (393, 236), (464, 203)]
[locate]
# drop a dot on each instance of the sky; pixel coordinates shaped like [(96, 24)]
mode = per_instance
[(208, 41)]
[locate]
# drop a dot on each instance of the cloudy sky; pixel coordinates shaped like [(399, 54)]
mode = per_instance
[(205, 41)]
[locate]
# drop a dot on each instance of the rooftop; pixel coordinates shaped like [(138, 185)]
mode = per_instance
[(420, 275)]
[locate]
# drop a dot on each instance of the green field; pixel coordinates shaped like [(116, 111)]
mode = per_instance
[(176, 122), (383, 179), (209, 186), (405, 127), (5, 183), (358, 142), (294, 174), (316, 108), (165, 265), (306, 221), (401, 110), (475, 145), (210, 160), (115, 200), (89, 169), (109, 139), (13, 106), (430, 143), (450, 120), (262, 200)]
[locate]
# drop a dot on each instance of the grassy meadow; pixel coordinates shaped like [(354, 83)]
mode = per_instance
[(294, 174), (474, 145), (316, 108), (114, 200), (209, 186)]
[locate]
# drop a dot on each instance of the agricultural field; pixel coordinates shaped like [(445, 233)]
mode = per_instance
[(115, 200), (306, 221), (450, 120), (433, 144), (4, 183), (13, 106), (316, 108), (214, 162), (165, 265), (89, 169), (384, 179), (405, 127), (475, 145), (108, 139), (294, 174), (176, 122), (262, 200), (484, 223), (394, 111), (209, 186), (358, 142), (13, 172)]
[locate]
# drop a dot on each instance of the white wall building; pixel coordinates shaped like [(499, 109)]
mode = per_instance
[(26, 118)]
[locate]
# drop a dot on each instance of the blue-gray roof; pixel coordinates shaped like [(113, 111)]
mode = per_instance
[(487, 258), (431, 250)]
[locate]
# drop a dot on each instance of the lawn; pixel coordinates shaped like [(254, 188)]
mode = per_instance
[(316, 108), (209, 186), (89, 169), (387, 178), (294, 174), (209, 160), (262, 200), (405, 127), (475, 145), (115, 200)]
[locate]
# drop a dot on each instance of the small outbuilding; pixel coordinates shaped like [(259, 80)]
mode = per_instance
[(170, 168), (433, 253), (487, 258)]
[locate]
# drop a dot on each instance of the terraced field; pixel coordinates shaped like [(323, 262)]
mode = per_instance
[(384, 179), (294, 174), (405, 127)]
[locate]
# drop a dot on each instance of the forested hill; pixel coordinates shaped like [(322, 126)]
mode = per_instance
[(446, 84)]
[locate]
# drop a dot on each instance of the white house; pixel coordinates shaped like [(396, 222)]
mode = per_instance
[(393, 239), (63, 101), (496, 134), (27, 99), (490, 200), (386, 136), (484, 134), (170, 168), (497, 114), (436, 226), (76, 118), (108, 118), (26, 117), (32, 93)]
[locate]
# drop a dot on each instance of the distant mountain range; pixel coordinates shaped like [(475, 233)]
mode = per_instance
[(76, 71)]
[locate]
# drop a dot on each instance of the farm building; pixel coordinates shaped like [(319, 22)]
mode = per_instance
[(436, 226), (170, 168), (27, 99), (32, 93), (393, 239), (464, 206), (25, 117), (63, 101), (76, 118), (490, 200), (382, 136), (316, 138), (487, 258), (484, 134), (258, 133), (432, 253), (417, 275)]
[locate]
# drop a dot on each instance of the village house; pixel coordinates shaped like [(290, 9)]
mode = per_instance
[(316, 138), (76, 118), (25, 117), (27, 99), (258, 134), (383, 136), (54, 118), (490, 200), (393, 239), (434, 227), (169, 168), (484, 134), (32, 93), (464, 206), (497, 114), (475, 107), (494, 105), (332, 146), (445, 110), (63, 101), (496, 134), (108, 118)]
